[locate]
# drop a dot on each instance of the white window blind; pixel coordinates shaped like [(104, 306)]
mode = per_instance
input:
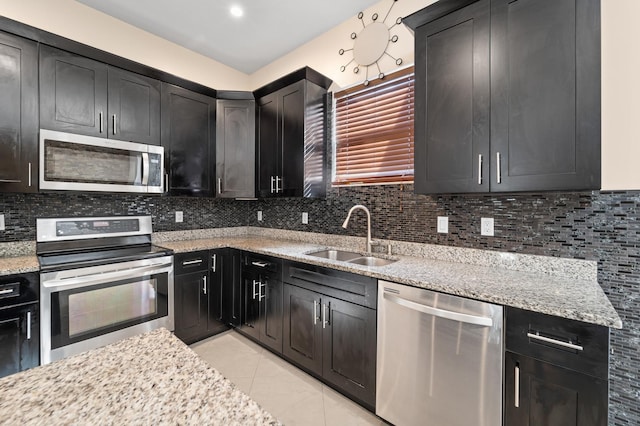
[(374, 131)]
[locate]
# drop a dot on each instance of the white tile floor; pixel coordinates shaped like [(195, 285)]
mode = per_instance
[(288, 393)]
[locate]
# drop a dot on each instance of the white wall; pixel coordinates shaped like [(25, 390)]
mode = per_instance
[(322, 55), (81, 23), (620, 94)]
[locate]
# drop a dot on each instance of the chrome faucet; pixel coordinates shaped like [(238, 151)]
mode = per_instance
[(346, 222)]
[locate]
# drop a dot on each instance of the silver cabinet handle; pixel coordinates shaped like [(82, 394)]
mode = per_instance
[(191, 262), (260, 264), (6, 291), (115, 120), (315, 312), (555, 341), (145, 168), (219, 185), (516, 396), (278, 187), (255, 283), (325, 319), (498, 168), (261, 296), (479, 169), (100, 121), (436, 312), (28, 325), (213, 262), (204, 285), (324, 324), (29, 175), (273, 180)]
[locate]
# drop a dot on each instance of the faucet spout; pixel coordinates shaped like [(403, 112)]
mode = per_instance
[(346, 222)]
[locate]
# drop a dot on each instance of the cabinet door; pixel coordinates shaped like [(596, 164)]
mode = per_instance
[(191, 306), (291, 111), (235, 148), (302, 341), (547, 395), (349, 346), (231, 288), (18, 114), (216, 291), (545, 95), (268, 156), (251, 304), (73, 93), (188, 137), (452, 102), (134, 107), (19, 339), (271, 312)]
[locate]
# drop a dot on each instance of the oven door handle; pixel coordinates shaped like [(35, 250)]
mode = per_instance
[(87, 280)]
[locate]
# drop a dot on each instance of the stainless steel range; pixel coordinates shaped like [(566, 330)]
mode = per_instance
[(101, 281)]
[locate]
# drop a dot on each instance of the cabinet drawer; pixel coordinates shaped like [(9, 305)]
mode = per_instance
[(262, 264), (567, 343), (19, 289), (195, 261), (341, 285)]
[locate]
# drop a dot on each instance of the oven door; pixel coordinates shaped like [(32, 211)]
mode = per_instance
[(85, 308)]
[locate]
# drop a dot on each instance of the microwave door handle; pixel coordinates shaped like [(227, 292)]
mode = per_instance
[(145, 168)]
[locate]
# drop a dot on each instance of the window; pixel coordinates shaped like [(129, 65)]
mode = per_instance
[(374, 132)]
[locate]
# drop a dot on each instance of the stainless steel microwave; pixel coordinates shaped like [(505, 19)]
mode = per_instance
[(72, 162)]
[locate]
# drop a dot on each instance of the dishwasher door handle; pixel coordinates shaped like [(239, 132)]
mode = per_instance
[(441, 313)]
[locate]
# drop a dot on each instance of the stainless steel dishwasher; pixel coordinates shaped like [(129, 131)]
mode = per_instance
[(439, 358)]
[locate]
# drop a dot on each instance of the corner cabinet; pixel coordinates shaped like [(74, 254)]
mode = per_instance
[(330, 327), (84, 96), (291, 135), (235, 148), (188, 137), (18, 114), (556, 371), (507, 96)]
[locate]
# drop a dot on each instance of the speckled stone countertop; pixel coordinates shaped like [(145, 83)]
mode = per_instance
[(536, 283), (148, 379)]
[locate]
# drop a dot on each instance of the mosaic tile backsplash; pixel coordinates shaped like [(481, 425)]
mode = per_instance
[(588, 225)]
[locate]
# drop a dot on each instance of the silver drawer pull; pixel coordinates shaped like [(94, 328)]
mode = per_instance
[(555, 341), (191, 262), (7, 291), (260, 264)]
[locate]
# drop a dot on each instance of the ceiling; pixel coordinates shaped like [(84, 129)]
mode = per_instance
[(268, 29)]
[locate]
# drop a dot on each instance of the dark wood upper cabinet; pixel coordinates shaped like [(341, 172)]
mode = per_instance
[(188, 136), (80, 95), (18, 114), (235, 148), (507, 96), (134, 107), (291, 135)]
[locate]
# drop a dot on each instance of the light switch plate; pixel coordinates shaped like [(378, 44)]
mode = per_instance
[(443, 224), (1, 222), (305, 218), (486, 226), (179, 217), (259, 215)]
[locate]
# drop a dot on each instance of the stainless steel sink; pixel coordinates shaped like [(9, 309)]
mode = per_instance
[(342, 255), (371, 261)]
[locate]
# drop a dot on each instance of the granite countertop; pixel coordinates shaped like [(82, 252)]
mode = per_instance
[(152, 378), (18, 265), (565, 296)]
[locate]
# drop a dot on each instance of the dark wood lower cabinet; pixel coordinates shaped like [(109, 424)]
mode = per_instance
[(191, 306), (548, 395), (19, 338), (332, 338)]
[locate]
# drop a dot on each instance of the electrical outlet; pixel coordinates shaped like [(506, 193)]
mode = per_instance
[(486, 226), (443, 224), (1, 222), (179, 217), (305, 218), (259, 215)]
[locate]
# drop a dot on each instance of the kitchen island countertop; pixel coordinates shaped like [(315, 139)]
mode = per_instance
[(152, 378)]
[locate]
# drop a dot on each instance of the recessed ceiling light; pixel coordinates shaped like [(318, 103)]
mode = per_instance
[(236, 11)]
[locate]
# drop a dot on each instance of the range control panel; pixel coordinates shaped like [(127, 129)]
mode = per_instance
[(96, 227), (72, 228)]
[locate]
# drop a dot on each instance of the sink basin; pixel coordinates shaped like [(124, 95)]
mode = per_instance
[(335, 255), (371, 261)]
